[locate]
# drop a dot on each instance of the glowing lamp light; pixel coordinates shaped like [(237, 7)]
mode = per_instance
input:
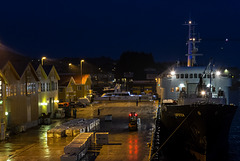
[(203, 93), (218, 73), (181, 85), (56, 101), (1, 102), (172, 73), (136, 114), (208, 85), (190, 22), (43, 104), (130, 114), (6, 113)]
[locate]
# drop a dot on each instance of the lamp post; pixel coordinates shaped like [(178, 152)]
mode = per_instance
[(81, 69), (44, 57)]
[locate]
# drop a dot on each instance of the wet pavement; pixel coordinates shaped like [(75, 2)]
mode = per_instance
[(131, 145)]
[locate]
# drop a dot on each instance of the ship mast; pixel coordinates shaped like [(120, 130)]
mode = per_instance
[(192, 49)]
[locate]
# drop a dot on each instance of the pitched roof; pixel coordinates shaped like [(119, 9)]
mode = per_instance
[(77, 78), (19, 61), (65, 78)]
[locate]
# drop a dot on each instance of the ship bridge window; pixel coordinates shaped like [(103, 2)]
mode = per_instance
[(213, 75), (182, 75), (208, 76), (195, 75), (199, 75), (177, 76), (186, 75), (191, 75)]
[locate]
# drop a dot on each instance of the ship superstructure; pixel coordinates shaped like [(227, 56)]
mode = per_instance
[(195, 116)]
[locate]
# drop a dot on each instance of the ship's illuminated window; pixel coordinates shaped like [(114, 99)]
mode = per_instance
[(177, 89), (191, 75), (182, 75), (177, 76), (172, 89), (186, 75), (195, 75)]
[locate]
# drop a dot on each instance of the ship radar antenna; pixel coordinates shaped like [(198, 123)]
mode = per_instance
[(191, 42)]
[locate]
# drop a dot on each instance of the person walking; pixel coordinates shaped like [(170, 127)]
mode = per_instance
[(137, 102), (98, 111), (74, 113)]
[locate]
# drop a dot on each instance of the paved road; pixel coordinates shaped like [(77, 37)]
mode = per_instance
[(132, 144), (124, 144)]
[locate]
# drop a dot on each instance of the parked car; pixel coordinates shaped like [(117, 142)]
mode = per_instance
[(63, 104), (84, 101), (80, 104)]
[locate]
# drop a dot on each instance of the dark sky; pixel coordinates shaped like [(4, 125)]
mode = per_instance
[(92, 28)]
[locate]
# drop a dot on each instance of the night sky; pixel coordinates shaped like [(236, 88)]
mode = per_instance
[(93, 28)]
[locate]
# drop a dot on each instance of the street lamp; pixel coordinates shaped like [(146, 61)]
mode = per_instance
[(44, 57), (81, 68)]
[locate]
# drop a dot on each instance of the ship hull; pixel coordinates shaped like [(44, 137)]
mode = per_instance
[(195, 132)]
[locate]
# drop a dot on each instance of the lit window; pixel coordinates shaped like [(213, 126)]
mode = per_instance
[(177, 89), (22, 89), (177, 76), (172, 89)]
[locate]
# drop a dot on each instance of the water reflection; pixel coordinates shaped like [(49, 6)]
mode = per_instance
[(133, 147)]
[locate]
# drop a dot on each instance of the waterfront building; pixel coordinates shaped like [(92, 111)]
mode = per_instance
[(73, 87), (47, 89), (3, 113), (21, 95)]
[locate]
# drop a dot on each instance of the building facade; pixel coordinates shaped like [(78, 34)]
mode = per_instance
[(47, 89), (73, 87), (3, 113)]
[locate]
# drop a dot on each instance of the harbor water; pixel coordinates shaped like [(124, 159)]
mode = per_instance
[(234, 138)]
